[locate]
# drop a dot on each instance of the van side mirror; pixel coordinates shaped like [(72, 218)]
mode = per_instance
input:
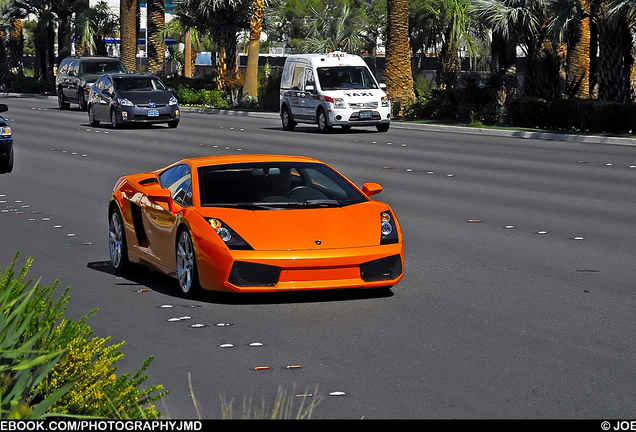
[(309, 88), (382, 86)]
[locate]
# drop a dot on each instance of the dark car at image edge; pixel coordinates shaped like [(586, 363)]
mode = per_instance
[(6, 143)]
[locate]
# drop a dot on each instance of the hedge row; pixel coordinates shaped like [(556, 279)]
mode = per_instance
[(572, 115)]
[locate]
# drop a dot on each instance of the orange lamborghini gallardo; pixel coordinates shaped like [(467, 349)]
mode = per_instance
[(255, 223)]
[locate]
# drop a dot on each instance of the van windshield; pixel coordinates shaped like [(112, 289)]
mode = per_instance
[(345, 77)]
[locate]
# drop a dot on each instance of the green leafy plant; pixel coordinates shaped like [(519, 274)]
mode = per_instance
[(80, 374)]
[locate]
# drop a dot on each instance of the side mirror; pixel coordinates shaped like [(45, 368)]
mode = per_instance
[(371, 189), (4, 107), (309, 88), (382, 86), (160, 195)]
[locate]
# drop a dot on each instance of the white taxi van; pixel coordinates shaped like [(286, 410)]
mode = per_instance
[(332, 89)]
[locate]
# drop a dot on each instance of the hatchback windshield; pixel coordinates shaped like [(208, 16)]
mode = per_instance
[(345, 77), (133, 83), (275, 185)]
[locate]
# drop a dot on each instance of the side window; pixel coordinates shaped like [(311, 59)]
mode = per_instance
[(299, 78), (178, 180), (74, 66), (309, 78), (63, 67), (100, 83), (108, 85)]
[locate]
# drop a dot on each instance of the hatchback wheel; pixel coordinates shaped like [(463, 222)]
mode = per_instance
[(91, 117), (114, 122)]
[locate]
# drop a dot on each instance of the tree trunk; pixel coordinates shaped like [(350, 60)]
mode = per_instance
[(578, 57), (128, 38), (80, 7), (397, 71), (253, 49), (614, 58), (16, 48), (154, 36)]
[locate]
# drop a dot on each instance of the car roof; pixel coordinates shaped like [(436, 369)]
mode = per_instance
[(244, 158)]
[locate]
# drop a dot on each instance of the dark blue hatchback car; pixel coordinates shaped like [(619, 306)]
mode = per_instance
[(6, 143)]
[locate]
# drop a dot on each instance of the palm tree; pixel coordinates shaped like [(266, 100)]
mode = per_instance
[(154, 36), (616, 62), (128, 33), (397, 71), (223, 20), (335, 28), (526, 22), (250, 88), (99, 23), (80, 7)]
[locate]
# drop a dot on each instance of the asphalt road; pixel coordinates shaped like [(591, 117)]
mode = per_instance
[(518, 298)]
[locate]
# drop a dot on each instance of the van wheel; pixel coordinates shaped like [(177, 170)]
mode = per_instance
[(383, 127), (61, 101), (323, 125), (288, 123)]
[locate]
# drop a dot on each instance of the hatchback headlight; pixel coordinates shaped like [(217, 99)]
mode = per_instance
[(124, 102), (5, 131), (173, 101), (227, 234)]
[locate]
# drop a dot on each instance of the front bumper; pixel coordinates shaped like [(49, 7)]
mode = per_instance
[(136, 114), (270, 271), (345, 117)]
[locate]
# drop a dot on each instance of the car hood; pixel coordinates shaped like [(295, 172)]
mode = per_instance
[(355, 225), (143, 97)]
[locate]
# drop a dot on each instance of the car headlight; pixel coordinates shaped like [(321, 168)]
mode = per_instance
[(227, 234), (173, 101), (5, 132), (386, 102), (124, 102), (388, 229)]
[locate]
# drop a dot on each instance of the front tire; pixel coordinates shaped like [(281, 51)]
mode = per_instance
[(81, 98), (114, 122), (288, 123), (91, 117), (187, 273), (383, 127), (117, 245), (173, 124), (323, 124)]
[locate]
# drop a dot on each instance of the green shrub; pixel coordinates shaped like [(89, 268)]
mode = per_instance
[(82, 381), (528, 112)]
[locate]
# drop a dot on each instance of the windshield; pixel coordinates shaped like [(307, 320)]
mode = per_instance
[(100, 67), (275, 185), (133, 83), (345, 77)]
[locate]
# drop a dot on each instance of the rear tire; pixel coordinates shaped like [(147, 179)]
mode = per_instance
[(187, 272), (61, 101), (288, 123)]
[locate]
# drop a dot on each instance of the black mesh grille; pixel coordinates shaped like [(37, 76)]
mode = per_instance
[(381, 269), (246, 274)]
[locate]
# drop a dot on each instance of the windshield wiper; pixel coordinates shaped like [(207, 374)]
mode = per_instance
[(322, 203)]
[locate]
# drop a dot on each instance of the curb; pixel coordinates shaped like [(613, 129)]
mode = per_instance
[(546, 136)]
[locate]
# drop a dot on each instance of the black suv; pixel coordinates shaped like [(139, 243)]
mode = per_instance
[(76, 75)]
